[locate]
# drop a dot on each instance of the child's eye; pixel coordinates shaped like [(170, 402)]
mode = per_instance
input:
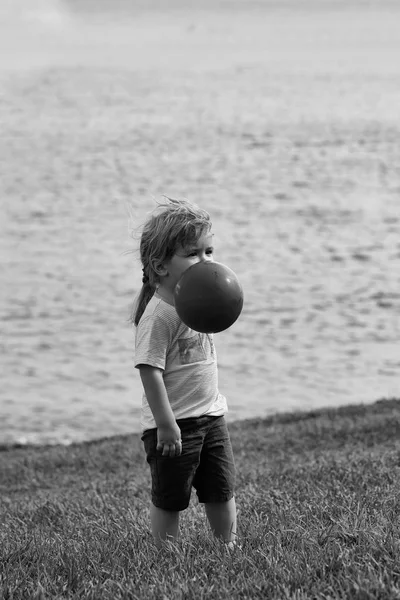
[(209, 250)]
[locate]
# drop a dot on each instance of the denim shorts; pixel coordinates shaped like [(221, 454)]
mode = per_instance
[(206, 463)]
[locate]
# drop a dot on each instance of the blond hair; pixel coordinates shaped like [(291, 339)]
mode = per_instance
[(173, 224)]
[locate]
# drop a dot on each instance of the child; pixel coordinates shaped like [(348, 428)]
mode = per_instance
[(184, 430)]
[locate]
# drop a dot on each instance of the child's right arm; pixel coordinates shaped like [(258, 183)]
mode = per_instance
[(168, 432)]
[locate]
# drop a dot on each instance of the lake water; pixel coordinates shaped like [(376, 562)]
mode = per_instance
[(283, 120)]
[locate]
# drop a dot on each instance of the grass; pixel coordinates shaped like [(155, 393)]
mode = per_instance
[(318, 495)]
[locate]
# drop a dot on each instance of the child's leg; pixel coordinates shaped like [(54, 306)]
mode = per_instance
[(222, 519), (164, 524)]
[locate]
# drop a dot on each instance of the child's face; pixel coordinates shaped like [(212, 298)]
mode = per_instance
[(202, 250)]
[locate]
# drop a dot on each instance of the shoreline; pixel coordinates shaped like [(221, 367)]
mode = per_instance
[(278, 418)]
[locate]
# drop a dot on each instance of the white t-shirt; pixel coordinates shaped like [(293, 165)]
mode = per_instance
[(187, 358)]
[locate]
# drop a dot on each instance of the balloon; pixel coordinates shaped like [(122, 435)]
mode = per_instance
[(208, 297)]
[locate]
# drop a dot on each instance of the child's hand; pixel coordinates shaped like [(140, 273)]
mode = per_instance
[(169, 440)]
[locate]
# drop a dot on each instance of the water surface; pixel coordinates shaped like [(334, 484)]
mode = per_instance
[(282, 122)]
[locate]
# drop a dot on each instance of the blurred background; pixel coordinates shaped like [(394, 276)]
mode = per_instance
[(280, 118)]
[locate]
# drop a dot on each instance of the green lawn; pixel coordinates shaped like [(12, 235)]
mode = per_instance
[(318, 496)]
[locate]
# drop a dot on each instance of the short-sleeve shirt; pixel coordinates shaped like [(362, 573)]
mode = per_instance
[(188, 361)]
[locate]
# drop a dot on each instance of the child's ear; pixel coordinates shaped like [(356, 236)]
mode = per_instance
[(161, 270)]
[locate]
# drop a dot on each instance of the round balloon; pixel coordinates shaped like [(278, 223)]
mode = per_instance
[(208, 297)]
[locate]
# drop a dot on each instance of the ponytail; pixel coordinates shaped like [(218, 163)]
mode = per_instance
[(145, 295)]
